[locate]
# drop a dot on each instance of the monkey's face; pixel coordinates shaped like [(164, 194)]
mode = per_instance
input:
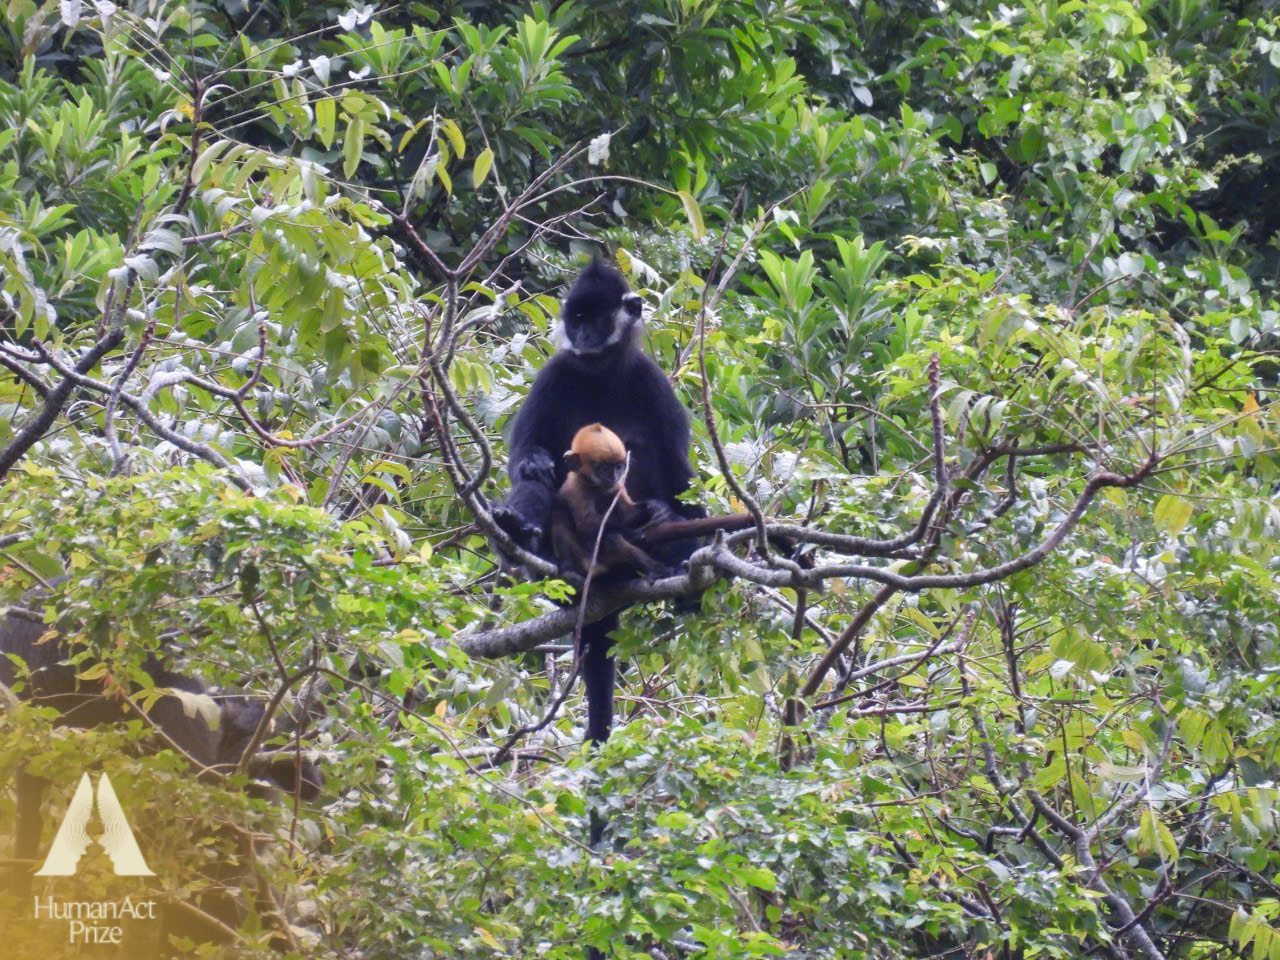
[(607, 475), (599, 312), (240, 719)]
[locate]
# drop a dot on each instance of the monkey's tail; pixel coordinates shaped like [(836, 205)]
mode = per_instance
[(598, 677)]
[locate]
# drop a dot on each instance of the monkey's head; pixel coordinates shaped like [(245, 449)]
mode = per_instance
[(599, 313), (281, 768), (598, 456)]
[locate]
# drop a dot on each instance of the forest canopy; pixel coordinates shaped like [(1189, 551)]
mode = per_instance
[(974, 309)]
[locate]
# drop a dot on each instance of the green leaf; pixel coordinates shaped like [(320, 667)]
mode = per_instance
[(206, 157), (47, 566), (411, 133), (1129, 158), (1155, 837), (1172, 513), (353, 146), (455, 137), (480, 170), (760, 877), (692, 212), (326, 111), (1031, 144)]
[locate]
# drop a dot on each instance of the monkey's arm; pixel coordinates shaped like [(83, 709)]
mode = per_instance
[(617, 550), (535, 447), (651, 513), (566, 545), (524, 514)]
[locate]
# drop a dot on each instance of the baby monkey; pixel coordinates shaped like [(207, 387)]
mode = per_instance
[(597, 461)]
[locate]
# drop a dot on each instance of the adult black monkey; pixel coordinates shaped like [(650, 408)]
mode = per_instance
[(599, 375)]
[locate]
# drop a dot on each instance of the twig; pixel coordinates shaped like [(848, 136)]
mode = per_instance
[(55, 400), (26, 376), (113, 400), (146, 416)]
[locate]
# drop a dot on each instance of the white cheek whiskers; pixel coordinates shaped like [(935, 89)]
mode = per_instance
[(626, 328)]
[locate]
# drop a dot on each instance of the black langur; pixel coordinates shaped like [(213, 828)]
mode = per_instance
[(599, 375), (597, 463), (46, 679)]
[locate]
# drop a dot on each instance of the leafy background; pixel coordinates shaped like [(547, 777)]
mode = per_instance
[(275, 276)]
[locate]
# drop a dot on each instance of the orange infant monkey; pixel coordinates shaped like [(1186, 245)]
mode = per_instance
[(597, 461)]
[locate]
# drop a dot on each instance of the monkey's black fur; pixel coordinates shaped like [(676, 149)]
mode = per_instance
[(52, 683), (48, 681), (599, 375)]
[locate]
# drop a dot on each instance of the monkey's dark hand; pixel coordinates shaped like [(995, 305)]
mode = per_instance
[(525, 512), (524, 532), (650, 513)]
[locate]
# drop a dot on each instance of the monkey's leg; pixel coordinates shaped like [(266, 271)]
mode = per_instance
[(623, 551), (566, 546)]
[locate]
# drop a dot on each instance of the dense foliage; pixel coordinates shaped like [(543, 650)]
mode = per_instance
[(979, 299)]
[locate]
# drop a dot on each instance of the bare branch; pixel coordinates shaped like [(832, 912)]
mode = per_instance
[(113, 401), (777, 578), (25, 375), (146, 416), (420, 245), (55, 400), (489, 239)]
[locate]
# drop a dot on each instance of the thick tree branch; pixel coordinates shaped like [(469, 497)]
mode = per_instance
[(55, 400), (717, 559), (26, 376), (1120, 909)]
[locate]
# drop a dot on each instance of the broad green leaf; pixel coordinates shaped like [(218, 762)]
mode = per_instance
[(455, 137), (1154, 837), (326, 111), (1172, 513), (480, 170), (693, 213), (353, 146)]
